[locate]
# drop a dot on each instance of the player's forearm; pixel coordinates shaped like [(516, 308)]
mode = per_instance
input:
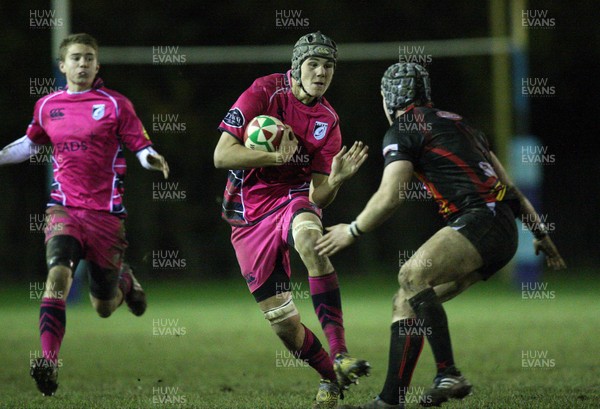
[(379, 208), (325, 193), (18, 151), (240, 157), (529, 217)]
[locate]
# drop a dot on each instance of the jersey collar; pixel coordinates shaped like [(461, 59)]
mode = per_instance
[(98, 83)]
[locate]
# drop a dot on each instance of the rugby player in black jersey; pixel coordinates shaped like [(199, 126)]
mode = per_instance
[(479, 204)]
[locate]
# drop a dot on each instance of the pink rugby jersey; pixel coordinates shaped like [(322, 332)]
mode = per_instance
[(87, 131), (252, 194)]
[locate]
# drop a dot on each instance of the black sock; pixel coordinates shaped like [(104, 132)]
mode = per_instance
[(406, 343), (432, 317)]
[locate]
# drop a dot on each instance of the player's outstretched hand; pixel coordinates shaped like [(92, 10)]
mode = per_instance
[(553, 257), (339, 237), (288, 146), (158, 162), (345, 164)]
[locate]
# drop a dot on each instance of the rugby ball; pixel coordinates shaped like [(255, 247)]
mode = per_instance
[(264, 133)]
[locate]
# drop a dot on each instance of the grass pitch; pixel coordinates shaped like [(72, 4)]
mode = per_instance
[(206, 345)]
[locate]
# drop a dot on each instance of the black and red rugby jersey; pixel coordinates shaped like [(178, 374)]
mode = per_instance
[(450, 157)]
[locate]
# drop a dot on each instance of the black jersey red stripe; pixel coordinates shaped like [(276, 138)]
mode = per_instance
[(449, 156)]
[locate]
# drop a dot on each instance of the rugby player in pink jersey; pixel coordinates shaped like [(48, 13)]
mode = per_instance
[(273, 201), (87, 126)]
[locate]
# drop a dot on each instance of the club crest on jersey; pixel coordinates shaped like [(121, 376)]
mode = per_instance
[(320, 130), (98, 111)]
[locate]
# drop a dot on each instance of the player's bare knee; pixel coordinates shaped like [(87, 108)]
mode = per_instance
[(280, 316), (305, 242), (407, 278), (413, 279), (305, 234), (400, 305), (287, 329), (58, 278), (59, 273)]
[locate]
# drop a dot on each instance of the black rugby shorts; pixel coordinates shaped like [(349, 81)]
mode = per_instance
[(493, 232)]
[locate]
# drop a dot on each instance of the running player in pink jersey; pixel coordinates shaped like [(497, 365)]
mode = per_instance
[(273, 201), (87, 126)]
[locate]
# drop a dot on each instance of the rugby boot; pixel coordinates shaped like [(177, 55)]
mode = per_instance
[(45, 374), (348, 369), (445, 387), (327, 396), (136, 298)]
